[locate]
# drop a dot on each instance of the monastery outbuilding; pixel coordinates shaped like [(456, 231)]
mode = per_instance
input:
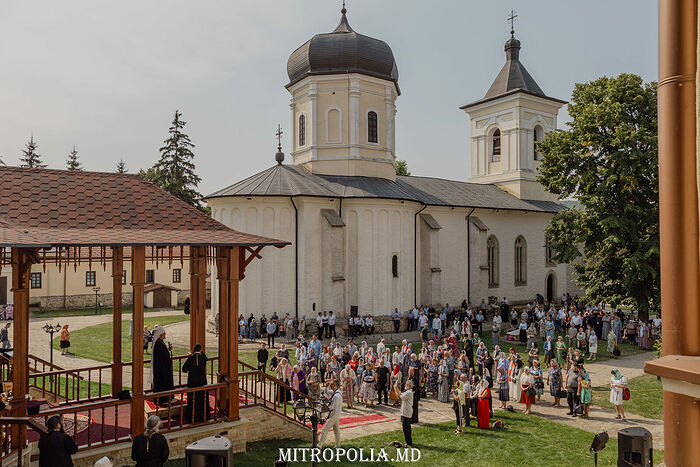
[(363, 236)]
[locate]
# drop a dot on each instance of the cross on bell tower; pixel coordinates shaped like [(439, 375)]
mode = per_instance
[(279, 157), (511, 18)]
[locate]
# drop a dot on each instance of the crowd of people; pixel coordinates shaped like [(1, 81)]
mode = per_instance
[(453, 364)]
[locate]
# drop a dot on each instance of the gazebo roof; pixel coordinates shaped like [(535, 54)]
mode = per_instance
[(45, 208)]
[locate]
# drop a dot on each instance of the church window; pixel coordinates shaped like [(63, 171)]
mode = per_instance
[(395, 266), (492, 260), (520, 261), (372, 132), (90, 278), (302, 130), (496, 146), (548, 252), (537, 136)]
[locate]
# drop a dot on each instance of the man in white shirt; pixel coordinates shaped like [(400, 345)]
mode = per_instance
[(333, 422), (331, 324), (422, 320), (369, 325), (324, 322), (396, 318), (407, 412), (381, 347), (437, 325), (319, 326)]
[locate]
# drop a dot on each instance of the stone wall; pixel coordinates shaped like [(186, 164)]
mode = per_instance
[(55, 302), (255, 424)]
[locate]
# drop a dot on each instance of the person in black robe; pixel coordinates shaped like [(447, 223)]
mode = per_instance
[(469, 350), (196, 368), (161, 376), (415, 376)]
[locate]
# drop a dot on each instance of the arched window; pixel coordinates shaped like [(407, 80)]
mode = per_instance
[(334, 120), (302, 130), (372, 132), (520, 261), (395, 266), (548, 252), (492, 260), (537, 136), (496, 146)]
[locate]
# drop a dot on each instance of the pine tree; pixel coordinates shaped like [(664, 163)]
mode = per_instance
[(174, 172), (73, 163), (121, 167), (30, 157)]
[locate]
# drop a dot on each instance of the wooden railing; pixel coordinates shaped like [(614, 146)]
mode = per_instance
[(11, 427), (258, 388)]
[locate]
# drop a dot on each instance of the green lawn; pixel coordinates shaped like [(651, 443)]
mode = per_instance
[(527, 441), (95, 342), (82, 387), (646, 398), (50, 314)]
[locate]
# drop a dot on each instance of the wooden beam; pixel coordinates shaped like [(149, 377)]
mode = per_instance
[(194, 284), (200, 334), (21, 269), (138, 281), (117, 277), (253, 254), (223, 265), (236, 273)]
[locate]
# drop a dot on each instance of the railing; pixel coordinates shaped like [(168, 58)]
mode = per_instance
[(14, 426), (77, 385), (258, 388), (179, 377), (188, 407)]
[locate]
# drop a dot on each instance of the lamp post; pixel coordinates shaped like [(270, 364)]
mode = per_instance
[(96, 289), (51, 330), (319, 411)]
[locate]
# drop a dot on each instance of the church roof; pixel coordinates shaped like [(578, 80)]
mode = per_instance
[(45, 208), (292, 180), (343, 51), (512, 78)]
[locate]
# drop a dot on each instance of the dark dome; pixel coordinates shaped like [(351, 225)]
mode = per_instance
[(343, 51)]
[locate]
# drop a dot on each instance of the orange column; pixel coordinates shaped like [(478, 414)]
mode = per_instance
[(138, 281), (678, 196), (194, 283), (236, 270), (21, 267), (117, 277), (223, 263)]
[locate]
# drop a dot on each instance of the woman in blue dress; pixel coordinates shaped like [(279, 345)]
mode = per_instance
[(536, 372), (554, 381), (433, 377)]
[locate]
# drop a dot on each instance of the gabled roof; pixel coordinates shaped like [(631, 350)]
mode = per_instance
[(50, 208), (291, 180), (512, 78)]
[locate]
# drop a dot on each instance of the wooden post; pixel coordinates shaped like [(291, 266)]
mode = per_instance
[(21, 268), (117, 277), (235, 261), (138, 281), (223, 276), (198, 296)]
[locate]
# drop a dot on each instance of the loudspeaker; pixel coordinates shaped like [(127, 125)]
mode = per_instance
[(635, 447), (124, 395), (353, 311), (214, 451)]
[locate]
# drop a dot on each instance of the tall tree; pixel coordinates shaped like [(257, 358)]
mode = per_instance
[(402, 168), (73, 163), (30, 158), (174, 172), (121, 167), (608, 161)]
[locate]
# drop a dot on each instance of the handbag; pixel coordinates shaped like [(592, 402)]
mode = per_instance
[(561, 393), (530, 392), (539, 384), (626, 394), (616, 352), (579, 409)]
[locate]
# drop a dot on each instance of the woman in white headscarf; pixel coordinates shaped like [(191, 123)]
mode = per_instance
[(348, 380)]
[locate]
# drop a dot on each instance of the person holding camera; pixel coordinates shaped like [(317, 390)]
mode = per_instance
[(56, 447)]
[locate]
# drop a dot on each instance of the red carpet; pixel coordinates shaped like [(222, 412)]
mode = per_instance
[(352, 421)]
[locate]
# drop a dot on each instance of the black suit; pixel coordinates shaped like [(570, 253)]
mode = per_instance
[(55, 450), (150, 453)]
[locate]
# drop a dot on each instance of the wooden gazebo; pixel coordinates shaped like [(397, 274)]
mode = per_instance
[(67, 218)]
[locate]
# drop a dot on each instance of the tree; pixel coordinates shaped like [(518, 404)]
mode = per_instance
[(402, 168), (608, 161), (30, 158), (121, 167), (73, 163), (174, 172)]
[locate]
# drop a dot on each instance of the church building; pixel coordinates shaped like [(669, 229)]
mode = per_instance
[(364, 237)]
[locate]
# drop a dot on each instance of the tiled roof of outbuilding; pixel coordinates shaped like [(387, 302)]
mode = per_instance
[(292, 180), (45, 208)]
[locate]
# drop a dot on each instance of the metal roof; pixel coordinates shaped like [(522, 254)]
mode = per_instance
[(292, 180), (343, 51), (49, 208), (512, 78)]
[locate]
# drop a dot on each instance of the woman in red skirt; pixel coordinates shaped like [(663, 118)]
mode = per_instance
[(527, 382), (483, 405)]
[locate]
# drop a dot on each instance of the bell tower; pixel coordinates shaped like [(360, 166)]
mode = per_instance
[(506, 125)]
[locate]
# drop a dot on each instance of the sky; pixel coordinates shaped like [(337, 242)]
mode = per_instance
[(108, 76)]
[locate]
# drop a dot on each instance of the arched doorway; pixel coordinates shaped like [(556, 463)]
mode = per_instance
[(550, 287)]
